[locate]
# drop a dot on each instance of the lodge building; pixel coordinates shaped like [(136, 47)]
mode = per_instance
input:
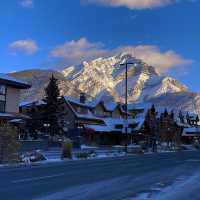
[(97, 122), (104, 123), (9, 99)]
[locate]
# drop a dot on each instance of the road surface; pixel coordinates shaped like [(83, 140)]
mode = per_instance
[(103, 179)]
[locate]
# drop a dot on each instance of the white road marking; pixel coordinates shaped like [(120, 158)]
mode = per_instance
[(37, 178)]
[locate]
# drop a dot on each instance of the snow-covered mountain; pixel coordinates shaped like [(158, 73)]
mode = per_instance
[(104, 78)]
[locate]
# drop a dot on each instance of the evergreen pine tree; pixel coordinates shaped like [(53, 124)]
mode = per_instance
[(153, 109), (197, 119), (172, 114), (165, 112), (188, 118), (51, 110), (181, 117), (34, 124)]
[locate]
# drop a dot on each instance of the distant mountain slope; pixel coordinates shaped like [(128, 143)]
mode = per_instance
[(39, 80), (104, 78)]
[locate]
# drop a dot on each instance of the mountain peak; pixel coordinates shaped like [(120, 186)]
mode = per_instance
[(105, 78)]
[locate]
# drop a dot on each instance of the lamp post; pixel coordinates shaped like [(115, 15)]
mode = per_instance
[(126, 101)]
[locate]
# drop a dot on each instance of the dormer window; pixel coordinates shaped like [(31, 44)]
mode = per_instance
[(2, 106), (2, 89), (2, 98)]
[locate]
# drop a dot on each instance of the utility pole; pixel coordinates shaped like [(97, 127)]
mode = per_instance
[(126, 102)]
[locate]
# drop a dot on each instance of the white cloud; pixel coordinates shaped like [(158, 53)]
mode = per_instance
[(135, 4), (132, 4), (26, 3), (28, 47), (74, 52), (152, 55), (77, 51)]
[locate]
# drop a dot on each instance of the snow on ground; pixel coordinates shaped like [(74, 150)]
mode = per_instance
[(184, 188), (54, 155)]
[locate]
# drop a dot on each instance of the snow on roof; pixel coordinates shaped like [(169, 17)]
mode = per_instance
[(6, 115), (98, 128), (30, 103), (12, 79), (111, 106), (192, 116), (77, 101), (108, 124), (20, 121), (139, 120), (14, 116), (139, 106), (191, 131), (88, 115)]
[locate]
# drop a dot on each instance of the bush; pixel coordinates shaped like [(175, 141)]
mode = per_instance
[(67, 149), (196, 146), (82, 155), (9, 145)]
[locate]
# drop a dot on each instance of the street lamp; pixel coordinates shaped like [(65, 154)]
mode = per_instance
[(126, 100)]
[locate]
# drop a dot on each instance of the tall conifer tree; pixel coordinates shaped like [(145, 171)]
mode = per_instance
[(52, 101)]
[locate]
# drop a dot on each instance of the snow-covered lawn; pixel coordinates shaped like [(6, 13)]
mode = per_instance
[(86, 152), (89, 153)]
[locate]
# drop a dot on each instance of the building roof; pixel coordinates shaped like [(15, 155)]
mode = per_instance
[(191, 131), (11, 116), (31, 103), (11, 81), (139, 120), (98, 128), (139, 106), (108, 124), (77, 102), (89, 115), (110, 106)]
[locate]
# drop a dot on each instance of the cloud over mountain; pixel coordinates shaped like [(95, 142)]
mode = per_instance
[(75, 52), (134, 4), (152, 55)]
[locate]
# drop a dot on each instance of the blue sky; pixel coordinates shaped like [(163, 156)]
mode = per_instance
[(57, 33)]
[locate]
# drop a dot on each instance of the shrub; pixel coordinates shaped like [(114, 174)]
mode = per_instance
[(9, 145), (67, 149), (83, 155), (196, 146)]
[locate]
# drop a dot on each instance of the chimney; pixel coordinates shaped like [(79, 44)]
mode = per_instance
[(82, 97)]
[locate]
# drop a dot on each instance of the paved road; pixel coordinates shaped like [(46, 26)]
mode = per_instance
[(111, 178)]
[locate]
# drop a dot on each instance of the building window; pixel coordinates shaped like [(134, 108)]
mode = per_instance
[(2, 106), (2, 89), (119, 126), (132, 125)]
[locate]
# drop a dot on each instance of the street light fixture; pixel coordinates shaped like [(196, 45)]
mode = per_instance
[(126, 101)]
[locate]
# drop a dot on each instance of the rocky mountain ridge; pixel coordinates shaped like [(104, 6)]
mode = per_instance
[(104, 78)]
